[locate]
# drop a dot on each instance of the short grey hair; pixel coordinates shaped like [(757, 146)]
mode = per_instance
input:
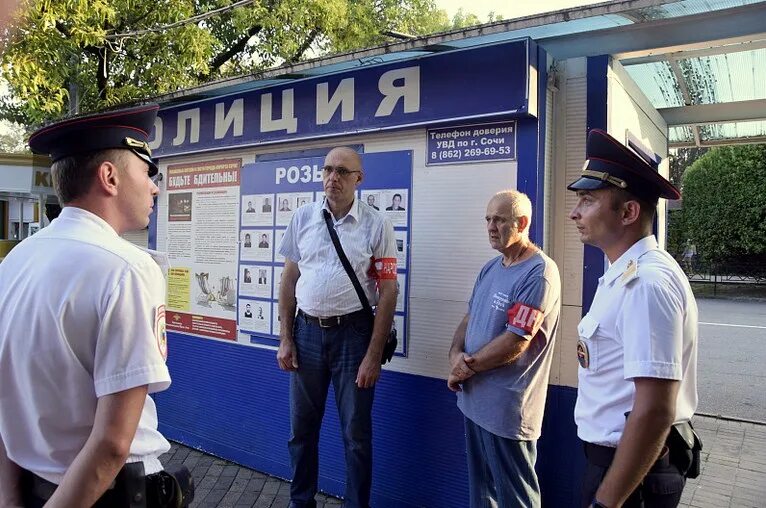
[(521, 206)]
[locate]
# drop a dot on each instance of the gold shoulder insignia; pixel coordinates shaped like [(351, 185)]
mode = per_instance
[(630, 273)]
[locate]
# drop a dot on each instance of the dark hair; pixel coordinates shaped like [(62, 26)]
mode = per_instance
[(74, 175), (648, 208), (400, 196)]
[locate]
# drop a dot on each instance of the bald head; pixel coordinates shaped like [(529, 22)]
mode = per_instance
[(347, 154)]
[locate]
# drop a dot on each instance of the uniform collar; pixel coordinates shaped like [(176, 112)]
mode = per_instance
[(161, 258), (353, 211), (617, 268), (85, 218)]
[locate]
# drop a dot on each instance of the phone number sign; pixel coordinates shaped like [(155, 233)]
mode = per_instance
[(472, 143)]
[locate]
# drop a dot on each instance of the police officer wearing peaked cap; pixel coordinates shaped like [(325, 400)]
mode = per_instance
[(122, 129), (637, 345), (84, 340)]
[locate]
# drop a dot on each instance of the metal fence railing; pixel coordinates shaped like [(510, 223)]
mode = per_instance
[(729, 272)]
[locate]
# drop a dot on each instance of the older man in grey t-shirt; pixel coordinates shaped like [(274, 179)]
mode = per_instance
[(501, 357)]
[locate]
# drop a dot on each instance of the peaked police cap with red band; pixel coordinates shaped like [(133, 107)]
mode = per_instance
[(610, 163), (124, 128)]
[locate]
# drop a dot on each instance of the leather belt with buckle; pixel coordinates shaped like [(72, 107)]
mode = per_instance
[(333, 321)]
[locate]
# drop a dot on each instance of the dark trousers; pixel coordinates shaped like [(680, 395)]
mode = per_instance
[(661, 487), (330, 355)]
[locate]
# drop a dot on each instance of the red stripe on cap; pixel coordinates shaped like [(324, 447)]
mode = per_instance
[(665, 183), (142, 131), (657, 176)]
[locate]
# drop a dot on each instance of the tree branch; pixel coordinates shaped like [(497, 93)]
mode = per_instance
[(235, 48), (93, 50), (305, 46), (132, 22)]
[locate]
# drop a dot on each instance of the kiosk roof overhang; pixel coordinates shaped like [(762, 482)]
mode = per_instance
[(702, 63), (25, 176)]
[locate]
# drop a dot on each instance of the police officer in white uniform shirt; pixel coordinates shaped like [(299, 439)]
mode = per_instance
[(637, 386), (82, 332)]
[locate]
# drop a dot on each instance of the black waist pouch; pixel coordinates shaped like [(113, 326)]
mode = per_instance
[(389, 348), (171, 488), (685, 447)]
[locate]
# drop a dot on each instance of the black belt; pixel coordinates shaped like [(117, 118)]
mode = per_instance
[(43, 489), (331, 322), (165, 488)]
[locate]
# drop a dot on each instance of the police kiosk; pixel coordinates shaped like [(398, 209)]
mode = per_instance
[(441, 123)]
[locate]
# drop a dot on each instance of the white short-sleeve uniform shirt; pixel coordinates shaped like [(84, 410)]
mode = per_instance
[(82, 315), (642, 323)]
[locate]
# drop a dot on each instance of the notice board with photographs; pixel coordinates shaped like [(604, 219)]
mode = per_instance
[(271, 192)]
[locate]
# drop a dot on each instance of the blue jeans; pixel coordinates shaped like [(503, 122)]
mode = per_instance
[(324, 355), (501, 471)]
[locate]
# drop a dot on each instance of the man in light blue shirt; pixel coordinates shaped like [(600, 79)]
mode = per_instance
[(326, 335), (501, 357)]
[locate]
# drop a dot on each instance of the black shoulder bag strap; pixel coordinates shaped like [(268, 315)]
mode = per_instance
[(346, 265), (391, 341)]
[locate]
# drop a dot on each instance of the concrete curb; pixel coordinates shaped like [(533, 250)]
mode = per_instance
[(730, 418)]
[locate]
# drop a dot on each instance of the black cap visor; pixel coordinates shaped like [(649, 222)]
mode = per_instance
[(153, 169)]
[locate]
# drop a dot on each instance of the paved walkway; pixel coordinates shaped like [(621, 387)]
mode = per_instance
[(733, 473), (222, 483), (733, 467)]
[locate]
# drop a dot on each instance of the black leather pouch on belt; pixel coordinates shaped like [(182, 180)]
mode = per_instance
[(129, 487), (171, 488), (685, 447)]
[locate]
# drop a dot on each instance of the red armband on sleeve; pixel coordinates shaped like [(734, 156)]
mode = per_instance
[(525, 318), (383, 269)]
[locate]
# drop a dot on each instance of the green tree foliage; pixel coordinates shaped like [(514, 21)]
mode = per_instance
[(724, 203), (680, 161), (60, 43), (63, 42), (12, 138), (677, 235)]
